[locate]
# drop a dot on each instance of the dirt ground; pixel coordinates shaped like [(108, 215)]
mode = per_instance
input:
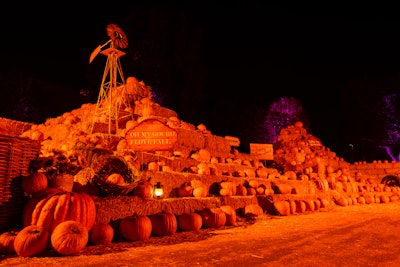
[(358, 235)]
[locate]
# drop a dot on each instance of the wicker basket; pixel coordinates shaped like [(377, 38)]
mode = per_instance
[(105, 165), (16, 154), (13, 127)]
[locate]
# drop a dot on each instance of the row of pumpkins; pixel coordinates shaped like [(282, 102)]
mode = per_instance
[(64, 221)]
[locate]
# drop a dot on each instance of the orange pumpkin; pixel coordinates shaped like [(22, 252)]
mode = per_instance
[(164, 223), (252, 210), (310, 205), (101, 234), (34, 182), (144, 189), (185, 190), (69, 238), (343, 201), (298, 124), (51, 206), (282, 207), (300, 206), (7, 242), (135, 227), (115, 178), (230, 214), (190, 221), (31, 241), (213, 217), (251, 191), (227, 188), (241, 190)]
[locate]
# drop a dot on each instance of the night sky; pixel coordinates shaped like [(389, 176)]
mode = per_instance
[(217, 64)]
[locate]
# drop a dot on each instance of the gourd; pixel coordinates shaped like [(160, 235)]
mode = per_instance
[(31, 241), (69, 238), (190, 221), (213, 217), (101, 234), (164, 224), (52, 206), (136, 227)]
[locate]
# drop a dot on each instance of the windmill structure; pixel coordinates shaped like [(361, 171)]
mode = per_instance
[(112, 99)]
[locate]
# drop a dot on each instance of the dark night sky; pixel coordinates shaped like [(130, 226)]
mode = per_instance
[(215, 63)]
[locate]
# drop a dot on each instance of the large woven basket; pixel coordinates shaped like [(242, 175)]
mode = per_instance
[(13, 127), (16, 154)]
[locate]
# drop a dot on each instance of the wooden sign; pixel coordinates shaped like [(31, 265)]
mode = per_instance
[(151, 135), (262, 151)]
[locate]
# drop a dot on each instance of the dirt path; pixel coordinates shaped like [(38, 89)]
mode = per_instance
[(359, 235)]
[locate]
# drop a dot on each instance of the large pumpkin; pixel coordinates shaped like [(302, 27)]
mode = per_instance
[(51, 206), (135, 227), (69, 238), (31, 241), (164, 223), (213, 217), (190, 221)]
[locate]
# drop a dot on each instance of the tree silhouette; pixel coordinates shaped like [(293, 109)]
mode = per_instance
[(282, 113), (389, 110)]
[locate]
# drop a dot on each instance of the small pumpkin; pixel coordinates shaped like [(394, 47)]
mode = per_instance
[(213, 217), (230, 214), (252, 210), (115, 178), (190, 221), (343, 201), (241, 190), (301, 206), (298, 124), (282, 207), (101, 234), (34, 182), (144, 188), (251, 191), (31, 241), (164, 223), (227, 188), (199, 192), (69, 238), (7, 242), (185, 190), (136, 227)]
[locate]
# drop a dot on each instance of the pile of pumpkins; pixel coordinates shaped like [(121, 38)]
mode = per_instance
[(64, 220)]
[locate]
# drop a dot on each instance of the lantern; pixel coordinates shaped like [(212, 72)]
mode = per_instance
[(158, 191)]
